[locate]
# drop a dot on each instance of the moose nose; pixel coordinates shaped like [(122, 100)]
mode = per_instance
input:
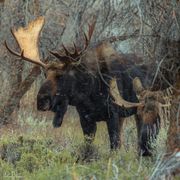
[(46, 106), (43, 105)]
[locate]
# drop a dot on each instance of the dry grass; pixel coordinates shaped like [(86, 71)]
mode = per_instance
[(32, 149)]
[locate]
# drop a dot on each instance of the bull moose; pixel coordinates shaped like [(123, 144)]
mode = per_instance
[(84, 78)]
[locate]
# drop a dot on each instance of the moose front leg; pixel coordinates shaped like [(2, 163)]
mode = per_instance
[(113, 126), (87, 116), (60, 110), (89, 129)]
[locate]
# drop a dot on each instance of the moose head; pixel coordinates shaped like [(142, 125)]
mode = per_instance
[(149, 113), (27, 39)]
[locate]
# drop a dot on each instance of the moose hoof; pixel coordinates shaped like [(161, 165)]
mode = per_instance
[(145, 153), (56, 124)]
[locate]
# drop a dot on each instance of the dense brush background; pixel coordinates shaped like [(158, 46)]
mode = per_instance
[(30, 148)]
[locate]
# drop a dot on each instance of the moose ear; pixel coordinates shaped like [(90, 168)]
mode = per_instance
[(137, 85)]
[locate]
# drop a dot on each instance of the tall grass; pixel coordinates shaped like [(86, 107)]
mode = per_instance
[(33, 149)]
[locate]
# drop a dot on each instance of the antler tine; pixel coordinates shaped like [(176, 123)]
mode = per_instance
[(90, 33), (91, 29), (56, 54), (60, 57), (23, 57), (75, 50), (86, 41), (66, 50), (10, 50), (40, 63), (70, 55)]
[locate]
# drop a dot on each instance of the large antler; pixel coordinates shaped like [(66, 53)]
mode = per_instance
[(118, 99), (27, 39), (145, 93), (67, 56)]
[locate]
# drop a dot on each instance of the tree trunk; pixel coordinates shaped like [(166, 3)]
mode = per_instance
[(173, 140), (17, 94)]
